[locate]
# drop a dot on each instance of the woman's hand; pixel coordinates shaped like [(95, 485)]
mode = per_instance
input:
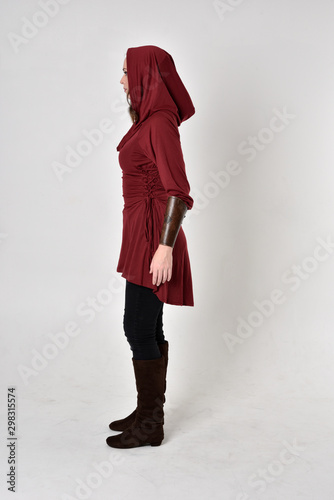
[(161, 265)]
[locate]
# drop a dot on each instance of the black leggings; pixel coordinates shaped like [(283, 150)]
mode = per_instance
[(143, 321)]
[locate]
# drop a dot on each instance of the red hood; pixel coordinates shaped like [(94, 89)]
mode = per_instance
[(155, 85)]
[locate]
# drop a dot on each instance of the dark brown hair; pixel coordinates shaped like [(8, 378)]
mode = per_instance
[(133, 114)]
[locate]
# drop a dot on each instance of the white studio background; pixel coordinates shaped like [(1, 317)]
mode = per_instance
[(259, 159)]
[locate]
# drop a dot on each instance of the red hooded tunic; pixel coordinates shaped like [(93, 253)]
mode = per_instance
[(153, 169)]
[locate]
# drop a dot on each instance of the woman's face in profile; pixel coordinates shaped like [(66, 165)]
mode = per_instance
[(124, 79)]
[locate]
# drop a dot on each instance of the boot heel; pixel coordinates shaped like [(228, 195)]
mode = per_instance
[(156, 443)]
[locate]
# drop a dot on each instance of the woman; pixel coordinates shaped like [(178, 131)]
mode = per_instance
[(154, 257)]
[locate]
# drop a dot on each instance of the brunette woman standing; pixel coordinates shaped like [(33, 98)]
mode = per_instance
[(154, 256)]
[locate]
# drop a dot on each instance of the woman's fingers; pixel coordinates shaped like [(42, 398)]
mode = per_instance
[(161, 265), (164, 276), (161, 276), (156, 278)]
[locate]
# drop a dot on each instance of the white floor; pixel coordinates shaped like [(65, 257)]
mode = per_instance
[(253, 424), (226, 442)]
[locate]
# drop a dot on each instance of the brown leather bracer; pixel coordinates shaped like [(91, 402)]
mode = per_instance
[(175, 212)]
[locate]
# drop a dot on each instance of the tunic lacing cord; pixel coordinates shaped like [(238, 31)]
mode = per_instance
[(151, 179)]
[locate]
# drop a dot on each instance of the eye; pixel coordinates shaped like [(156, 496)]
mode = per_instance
[(125, 72)]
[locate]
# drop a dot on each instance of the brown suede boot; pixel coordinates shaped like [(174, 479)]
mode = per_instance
[(124, 423), (147, 427)]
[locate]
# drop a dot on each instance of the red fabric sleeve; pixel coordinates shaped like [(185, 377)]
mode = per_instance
[(162, 146)]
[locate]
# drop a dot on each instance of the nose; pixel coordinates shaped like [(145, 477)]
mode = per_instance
[(121, 81)]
